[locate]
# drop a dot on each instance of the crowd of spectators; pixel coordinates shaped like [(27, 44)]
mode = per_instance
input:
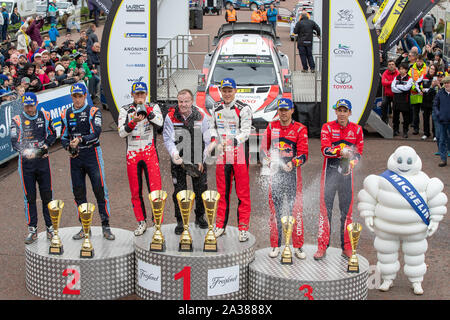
[(420, 55), (32, 60)]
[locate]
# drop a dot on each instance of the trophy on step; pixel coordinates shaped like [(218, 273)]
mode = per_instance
[(55, 210), (288, 226), (210, 201), (354, 232), (86, 212), (185, 200), (158, 201)]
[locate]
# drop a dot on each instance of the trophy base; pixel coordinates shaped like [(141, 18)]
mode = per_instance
[(56, 250), (158, 247), (87, 254), (185, 247), (210, 247), (286, 260), (353, 269)]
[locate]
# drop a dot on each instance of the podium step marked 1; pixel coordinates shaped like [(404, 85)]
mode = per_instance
[(193, 275), (307, 279), (108, 275)]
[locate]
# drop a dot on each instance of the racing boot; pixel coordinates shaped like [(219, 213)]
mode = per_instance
[(107, 234), (299, 253), (179, 228), (320, 253), (274, 252), (219, 231), (80, 235), (243, 235), (142, 227), (201, 222), (50, 232), (32, 235)]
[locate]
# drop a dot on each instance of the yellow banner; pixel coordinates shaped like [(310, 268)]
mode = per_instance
[(392, 20), (380, 11)]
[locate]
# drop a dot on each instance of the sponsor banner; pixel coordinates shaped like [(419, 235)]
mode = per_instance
[(392, 19), (149, 276), (52, 100), (349, 36), (410, 16), (103, 5), (130, 51), (223, 280)]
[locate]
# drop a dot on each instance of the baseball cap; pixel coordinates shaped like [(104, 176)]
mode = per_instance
[(29, 98), (139, 87), (38, 55), (343, 103), (285, 103), (446, 79), (25, 79), (78, 88), (228, 82)]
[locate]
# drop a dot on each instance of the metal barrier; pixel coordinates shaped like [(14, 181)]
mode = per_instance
[(174, 56), (318, 62)]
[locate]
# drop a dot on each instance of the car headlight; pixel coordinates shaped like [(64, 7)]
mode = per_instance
[(271, 106)]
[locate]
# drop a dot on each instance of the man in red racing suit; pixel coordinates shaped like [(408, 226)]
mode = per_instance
[(342, 145), (138, 123), (285, 149)]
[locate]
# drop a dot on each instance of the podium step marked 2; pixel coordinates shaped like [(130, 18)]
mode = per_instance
[(108, 275), (307, 279), (175, 275)]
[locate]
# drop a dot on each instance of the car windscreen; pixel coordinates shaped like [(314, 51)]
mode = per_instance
[(246, 70)]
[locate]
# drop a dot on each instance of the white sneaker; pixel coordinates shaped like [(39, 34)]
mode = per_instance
[(386, 285), (424, 137), (275, 252), (417, 286), (299, 253), (219, 231), (243, 235), (142, 227)]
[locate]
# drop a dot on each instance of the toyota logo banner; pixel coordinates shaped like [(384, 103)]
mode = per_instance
[(128, 51), (350, 59)]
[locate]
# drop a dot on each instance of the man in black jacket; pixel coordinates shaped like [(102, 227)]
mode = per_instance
[(305, 30)]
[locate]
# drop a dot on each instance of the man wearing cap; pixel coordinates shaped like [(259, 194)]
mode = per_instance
[(80, 136), (186, 137), (441, 108), (138, 123), (230, 126), (32, 133), (342, 144), (285, 149)]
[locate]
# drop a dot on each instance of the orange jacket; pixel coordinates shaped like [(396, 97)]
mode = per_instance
[(231, 15), (263, 15), (256, 18)]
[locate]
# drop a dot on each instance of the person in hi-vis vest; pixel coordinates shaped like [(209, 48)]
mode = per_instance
[(230, 14)]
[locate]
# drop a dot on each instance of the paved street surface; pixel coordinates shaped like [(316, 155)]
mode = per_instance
[(376, 153)]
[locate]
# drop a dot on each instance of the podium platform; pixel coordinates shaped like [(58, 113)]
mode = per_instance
[(307, 279), (175, 275), (108, 275)]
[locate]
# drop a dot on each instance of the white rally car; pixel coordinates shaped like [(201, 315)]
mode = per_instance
[(248, 53)]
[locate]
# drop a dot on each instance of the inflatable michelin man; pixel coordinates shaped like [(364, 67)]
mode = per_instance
[(402, 206)]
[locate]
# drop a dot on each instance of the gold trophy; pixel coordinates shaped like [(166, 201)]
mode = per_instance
[(288, 225), (210, 202), (185, 200), (158, 200), (354, 231), (86, 211), (55, 209)]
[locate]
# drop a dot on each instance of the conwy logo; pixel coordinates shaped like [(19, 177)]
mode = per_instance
[(343, 51)]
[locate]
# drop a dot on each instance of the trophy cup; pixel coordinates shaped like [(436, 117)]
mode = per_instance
[(86, 211), (354, 231), (55, 209), (158, 200), (288, 225), (185, 200), (210, 201)]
